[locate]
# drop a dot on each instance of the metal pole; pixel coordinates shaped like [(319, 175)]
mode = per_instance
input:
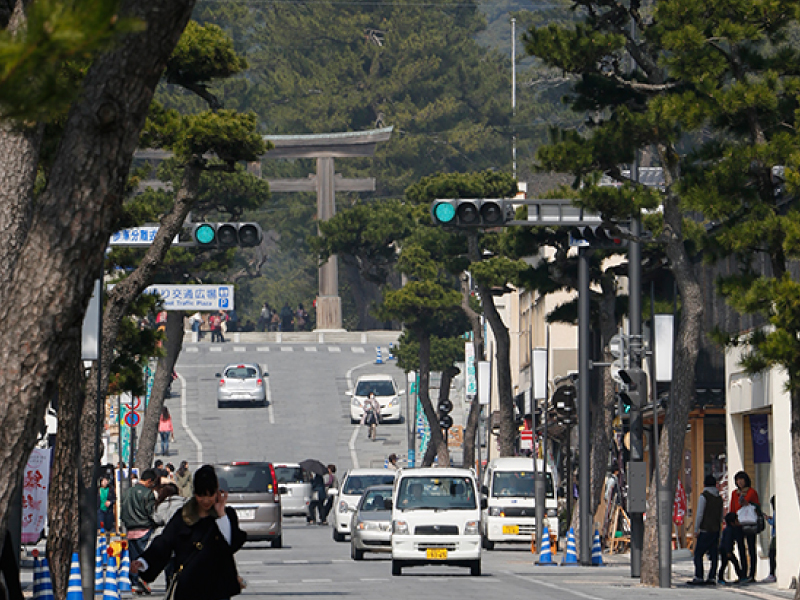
[(410, 458), (584, 441), (635, 309), (545, 412), (514, 94), (538, 477)]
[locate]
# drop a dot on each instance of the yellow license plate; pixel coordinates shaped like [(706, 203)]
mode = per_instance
[(510, 529), (436, 553)]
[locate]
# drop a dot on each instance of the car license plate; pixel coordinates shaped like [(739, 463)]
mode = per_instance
[(436, 553), (510, 529), (246, 513)]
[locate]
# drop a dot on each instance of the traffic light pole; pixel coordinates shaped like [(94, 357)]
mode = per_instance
[(584, 441), (636, 513)]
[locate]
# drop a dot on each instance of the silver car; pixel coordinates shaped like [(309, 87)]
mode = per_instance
[(254, 493), (371, 528), (242, 383)]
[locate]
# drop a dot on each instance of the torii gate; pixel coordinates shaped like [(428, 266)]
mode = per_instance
[(326, 147)]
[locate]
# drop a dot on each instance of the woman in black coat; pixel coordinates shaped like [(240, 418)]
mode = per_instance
[(203, 535)]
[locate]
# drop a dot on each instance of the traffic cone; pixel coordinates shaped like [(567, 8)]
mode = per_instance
[(102, 546), (45, 583), (571, 557), (37, 573), (378, 359), (124, 582), (597, 550), (546, 555), (391, 352), (110, 589), (99, 561), (74, 588)]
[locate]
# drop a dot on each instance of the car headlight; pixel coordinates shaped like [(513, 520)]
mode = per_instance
[(400, 527), (368, 525), (395, 402), (471, 528), (355, 403), (551, 512), (496, 511), (343, 506)]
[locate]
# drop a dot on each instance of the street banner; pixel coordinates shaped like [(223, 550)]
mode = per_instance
[(472, 380), (194, 297), (680, 505), (35, 485), (759, 429)]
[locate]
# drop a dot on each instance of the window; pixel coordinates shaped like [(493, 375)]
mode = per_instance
[(436, 493), (518, 484)]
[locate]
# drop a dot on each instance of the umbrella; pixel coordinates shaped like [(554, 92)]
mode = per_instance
[(312, 465)]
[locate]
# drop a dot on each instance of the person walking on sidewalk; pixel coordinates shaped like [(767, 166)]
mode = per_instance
[(138, 510), (707, 525), (165, 430), (731, 536), (330, 483), (741, 497)]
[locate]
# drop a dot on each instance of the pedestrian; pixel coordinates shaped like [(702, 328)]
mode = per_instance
[(300, 318), (165, 430), (203, 535), (331, 483), (264, 318), (170, 472), (286, 318), (138, 510), (730, 537), (214, 325), (772, 545), (371, 416), (106, 498), (392, 464), (743, 496), (197, 321), (169, 502), (223, 325), (275, 321), (315, 507), (183, 479), (707, 525)]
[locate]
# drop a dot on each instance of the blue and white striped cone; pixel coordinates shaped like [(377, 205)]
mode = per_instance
[(99, 561), (74, 589), (597, 550), (378, 359), (110, 589), (391, 355), (124, 581), (37, 574), (102, 545), (45, 591), (571, 557), (546, 555)]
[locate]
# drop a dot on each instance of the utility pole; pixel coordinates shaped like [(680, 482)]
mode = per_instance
[(584, 441)]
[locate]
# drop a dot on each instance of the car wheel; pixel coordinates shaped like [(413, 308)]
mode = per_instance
[(355, 553), (475, 568), (278, 542), (397, 568), (488, 544), (337, 537)]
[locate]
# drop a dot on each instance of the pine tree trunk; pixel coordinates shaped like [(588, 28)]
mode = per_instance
[(795, 429), (162, 379), (52, 280), (437, 440), (62, 508), (473, 419)]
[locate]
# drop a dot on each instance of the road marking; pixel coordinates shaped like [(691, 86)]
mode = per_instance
[(192, 349), (263, 581), (185, 421), (334, 349), (352, 443), (310, 348), (249, 562), (374, 579), (341, 560), (295, 562), (359, 350), (240, 349), (554, 586), (317, 580), (287, 349), (215, 349), (270, 412), (262, 349)]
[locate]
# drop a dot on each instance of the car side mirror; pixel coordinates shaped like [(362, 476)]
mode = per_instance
[(348, 393), (283, 489), (484, 503), (485, 490), (333, 492), (387, 503), (217, 375), (400, 393)]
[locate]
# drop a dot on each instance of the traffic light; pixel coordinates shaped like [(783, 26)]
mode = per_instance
[(635, 397), (445, 420), (227, 235), (564, 402), (472, 213), (595, 236)]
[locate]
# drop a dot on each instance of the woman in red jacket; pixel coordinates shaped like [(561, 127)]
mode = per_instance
[(742, 496)]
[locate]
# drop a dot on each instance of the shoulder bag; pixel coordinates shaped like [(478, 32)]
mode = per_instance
[(172, 588)]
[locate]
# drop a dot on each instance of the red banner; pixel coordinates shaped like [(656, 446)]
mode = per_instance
[(680, 505)]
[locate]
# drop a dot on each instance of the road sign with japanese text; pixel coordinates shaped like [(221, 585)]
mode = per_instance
[(194, 297)]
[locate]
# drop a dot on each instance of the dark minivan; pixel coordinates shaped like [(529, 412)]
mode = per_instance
[(254, 494)]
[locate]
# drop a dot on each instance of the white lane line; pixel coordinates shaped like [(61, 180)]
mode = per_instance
[(270, 411), (562, 590), (316, 580), (215, 349), (240, 349), (358, 350), (262, 349), (192, 349), (352, 443), (310, 348), (374, 579), (249, 562), (287, 349), (263, 581), (295, 562), (185, 421), (334, 349)]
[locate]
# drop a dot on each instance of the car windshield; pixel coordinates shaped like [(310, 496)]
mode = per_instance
[(379, 388), (289, 475), (245, 479), (436, 493), (356, 484), (518, 484), (373, 500), (241, 373)]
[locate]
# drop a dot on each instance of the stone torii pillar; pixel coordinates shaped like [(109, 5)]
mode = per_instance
[(324, 148)]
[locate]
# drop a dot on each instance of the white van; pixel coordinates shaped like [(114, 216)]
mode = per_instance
[(295, 488), (510, 513), (436, 516)]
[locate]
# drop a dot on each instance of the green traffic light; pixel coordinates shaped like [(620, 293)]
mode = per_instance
[(204, 234), (444, 212)]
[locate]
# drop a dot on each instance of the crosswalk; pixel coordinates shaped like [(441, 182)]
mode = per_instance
[(240, 348)]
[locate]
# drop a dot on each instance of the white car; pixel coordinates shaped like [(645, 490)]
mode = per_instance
[(346, 498), (386, 394), (296, 496)]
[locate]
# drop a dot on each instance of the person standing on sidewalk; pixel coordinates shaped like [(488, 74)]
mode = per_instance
[(743, 495), (138, 510), (707, 525), (165, 430), (773, 559)]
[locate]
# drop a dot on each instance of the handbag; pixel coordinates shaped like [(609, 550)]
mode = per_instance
[(748, 519)]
